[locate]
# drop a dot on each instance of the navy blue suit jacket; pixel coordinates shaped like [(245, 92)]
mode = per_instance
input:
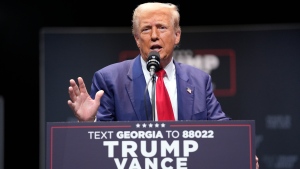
[(124, 96)]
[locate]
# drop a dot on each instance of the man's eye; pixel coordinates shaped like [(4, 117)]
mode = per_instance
[(145, 29)]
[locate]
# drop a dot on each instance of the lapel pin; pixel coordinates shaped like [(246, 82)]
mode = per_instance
[(189, 90)]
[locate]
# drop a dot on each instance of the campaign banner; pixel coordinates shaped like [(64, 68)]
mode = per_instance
[(151, 145)]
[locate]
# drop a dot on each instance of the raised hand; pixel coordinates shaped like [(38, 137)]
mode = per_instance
[(83, 106)]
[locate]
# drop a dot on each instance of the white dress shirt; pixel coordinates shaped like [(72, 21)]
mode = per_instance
[(170, 82)]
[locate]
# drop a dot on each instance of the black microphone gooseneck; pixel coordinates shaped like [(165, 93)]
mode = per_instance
[(153, 63)]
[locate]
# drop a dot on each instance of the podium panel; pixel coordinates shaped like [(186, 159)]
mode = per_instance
[(151, 145)]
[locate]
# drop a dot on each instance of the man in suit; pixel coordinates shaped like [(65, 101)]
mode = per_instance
[(117, 91), (155, 27)]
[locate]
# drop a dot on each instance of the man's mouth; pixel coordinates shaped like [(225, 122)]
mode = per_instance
[(156, 47)]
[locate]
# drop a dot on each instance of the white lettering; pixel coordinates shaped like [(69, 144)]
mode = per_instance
[(166, 147), (189, 146), (139, 134), (129, 147), (110, 145), (153, 148)]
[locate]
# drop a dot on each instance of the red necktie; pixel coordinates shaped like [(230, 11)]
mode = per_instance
[(163, 102)]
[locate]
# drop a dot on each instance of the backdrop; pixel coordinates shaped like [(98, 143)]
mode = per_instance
[(254, 68), (1, 132)]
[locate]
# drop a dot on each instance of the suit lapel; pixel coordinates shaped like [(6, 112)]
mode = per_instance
[(136, 90), (141, 104), (185, 94)]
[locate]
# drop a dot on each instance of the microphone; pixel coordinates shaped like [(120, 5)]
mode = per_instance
[(153, 62)]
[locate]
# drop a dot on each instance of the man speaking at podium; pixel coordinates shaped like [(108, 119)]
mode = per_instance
[(123, 91)]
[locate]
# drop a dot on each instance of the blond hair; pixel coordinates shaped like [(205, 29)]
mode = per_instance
[(155, 6)]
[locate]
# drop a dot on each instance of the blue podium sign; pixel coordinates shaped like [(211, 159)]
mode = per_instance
[(151, 145)]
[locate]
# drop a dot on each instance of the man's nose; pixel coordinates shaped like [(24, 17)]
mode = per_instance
[(154, 34)]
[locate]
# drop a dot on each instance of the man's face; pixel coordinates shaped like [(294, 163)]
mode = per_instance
[(156, 32)]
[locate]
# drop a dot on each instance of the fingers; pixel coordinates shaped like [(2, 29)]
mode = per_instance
[(257, 164), (98, 96), (73, 88), (82, 87), (70, 103), (72, 97)]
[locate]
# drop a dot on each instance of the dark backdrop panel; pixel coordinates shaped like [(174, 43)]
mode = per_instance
[(254, 70), (1, 132)]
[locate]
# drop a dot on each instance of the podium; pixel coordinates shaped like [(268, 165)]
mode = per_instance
[(151, 145)]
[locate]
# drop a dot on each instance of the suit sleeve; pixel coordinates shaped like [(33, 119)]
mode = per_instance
[(106, 110), (214, 108)]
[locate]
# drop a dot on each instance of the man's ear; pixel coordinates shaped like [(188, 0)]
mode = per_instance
[(177, 36)]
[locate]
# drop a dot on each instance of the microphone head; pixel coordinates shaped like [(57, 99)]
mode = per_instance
[(153, 61)]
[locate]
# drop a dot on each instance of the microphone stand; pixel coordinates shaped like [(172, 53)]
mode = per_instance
[(153, 95), (153, 62)]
